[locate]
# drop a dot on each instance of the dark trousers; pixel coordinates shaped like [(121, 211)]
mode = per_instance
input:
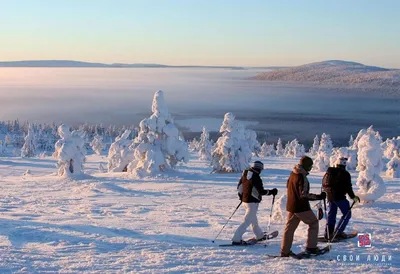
[(344, 207)]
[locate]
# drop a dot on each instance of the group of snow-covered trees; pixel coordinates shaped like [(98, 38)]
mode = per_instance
[(159, 146), (42, 137)]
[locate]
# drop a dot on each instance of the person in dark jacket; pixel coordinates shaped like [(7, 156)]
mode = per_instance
[(250, 191), (298, 207), (337, 183)]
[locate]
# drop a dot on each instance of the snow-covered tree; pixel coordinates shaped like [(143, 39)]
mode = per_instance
[(231, 152), (350, 154), (337, 153), (18, 140), (97, 144), (352, 159), (294, 149), (70, 151), (370, 165), (390, 146), (360, 134), (351, 141), (251, 137), (2, 148), (267, 150), (29, 147), (279, 214), (193, 145), (279, 148), (205, 145), (322, 161), (393, 166), (159, 145), (287, 148), (326, 143), (8, 140), (120, 154), (315, 146)]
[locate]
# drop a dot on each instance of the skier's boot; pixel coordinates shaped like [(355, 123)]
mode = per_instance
[(313, 250)]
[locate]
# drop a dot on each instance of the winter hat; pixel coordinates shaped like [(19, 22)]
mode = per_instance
[(342, 161), (257, 165), (306, 162)]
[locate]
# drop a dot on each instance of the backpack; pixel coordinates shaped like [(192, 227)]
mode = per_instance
[(331, 178)]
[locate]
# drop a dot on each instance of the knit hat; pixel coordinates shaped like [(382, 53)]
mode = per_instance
[(306, 162), (257, 165), (342, 161)]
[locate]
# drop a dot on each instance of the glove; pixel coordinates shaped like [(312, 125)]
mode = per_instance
[(356, 199), (273, 191), (321, 196)]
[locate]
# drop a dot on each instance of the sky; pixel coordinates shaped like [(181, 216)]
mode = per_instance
[(206, 32)]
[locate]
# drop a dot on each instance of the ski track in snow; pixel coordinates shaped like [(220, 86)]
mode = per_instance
[(113, 223)]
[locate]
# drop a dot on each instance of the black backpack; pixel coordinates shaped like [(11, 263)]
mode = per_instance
[(331, 179)]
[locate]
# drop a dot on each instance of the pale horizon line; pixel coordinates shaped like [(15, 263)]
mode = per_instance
[(115, 64)]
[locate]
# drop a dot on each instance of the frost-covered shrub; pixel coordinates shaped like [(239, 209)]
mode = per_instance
[(390, 146), (322, 160), (315, 147), (159, 145), (294, 149), (205, 146), (2, 148), (120, 154), (350, 154), (360, 134), (351, 141), (70, 151), (251, 137), (8, 140), (352, 159), (97, 144), (231, 152), (193, 145), (279, 148), (393, 166), (267, 150), (370, 165), (279, 214), (29, 147)]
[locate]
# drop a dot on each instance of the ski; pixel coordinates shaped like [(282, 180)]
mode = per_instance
[(303, 254), (306, 255), (336, 240), (253, 241)]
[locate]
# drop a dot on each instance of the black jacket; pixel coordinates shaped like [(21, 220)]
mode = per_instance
[(298, 191), (250, 187), (337, 183)]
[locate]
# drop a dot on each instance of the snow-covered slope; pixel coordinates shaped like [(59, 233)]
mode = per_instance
[(113, 223), (337, 72)]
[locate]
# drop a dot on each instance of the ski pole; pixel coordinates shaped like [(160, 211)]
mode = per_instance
[(270, 214), (326, 226), (227, 222), (341, 221)]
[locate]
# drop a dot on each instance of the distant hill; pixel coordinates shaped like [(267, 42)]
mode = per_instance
[(79, 64), (51, 63), (336, 72)]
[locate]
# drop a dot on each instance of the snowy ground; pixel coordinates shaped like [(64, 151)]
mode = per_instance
[(111, 223)]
